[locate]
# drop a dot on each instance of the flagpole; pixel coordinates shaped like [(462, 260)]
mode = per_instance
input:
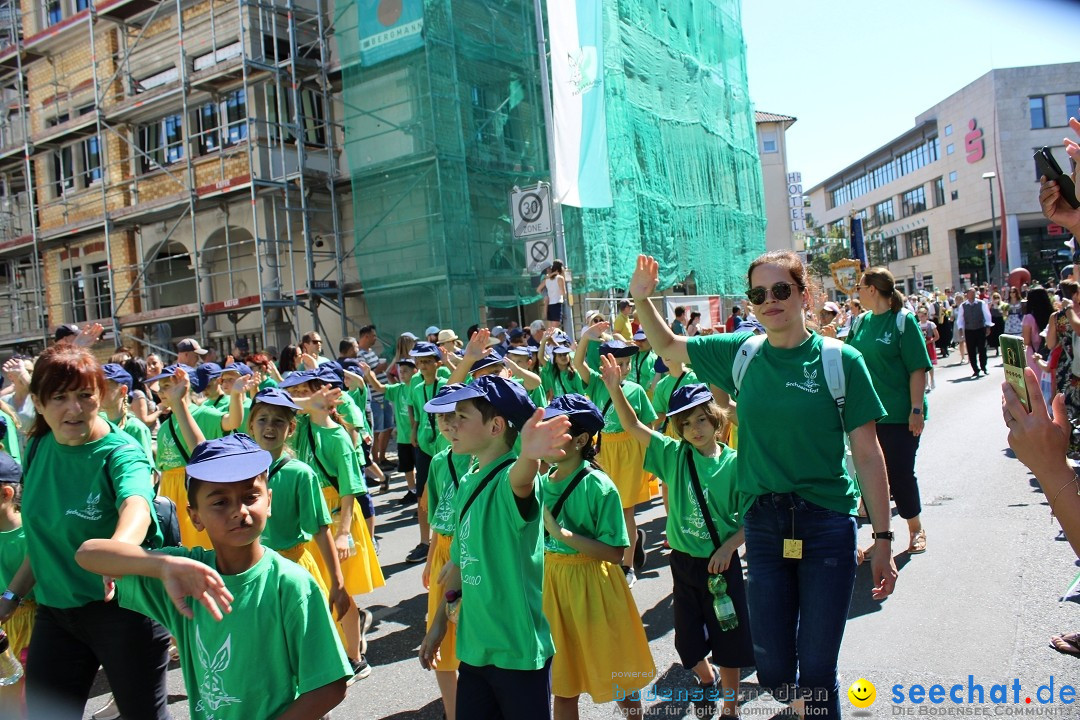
[(549, 131)]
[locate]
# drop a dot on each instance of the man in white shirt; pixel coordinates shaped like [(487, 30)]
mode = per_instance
[(973, 319)]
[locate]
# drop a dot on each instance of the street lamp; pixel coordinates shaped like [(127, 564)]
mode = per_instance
[(989, 178)]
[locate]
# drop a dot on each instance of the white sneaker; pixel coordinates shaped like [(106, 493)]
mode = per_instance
[(109, 712)]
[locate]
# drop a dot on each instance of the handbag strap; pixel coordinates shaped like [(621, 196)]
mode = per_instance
[(557, 508), (667, 418), (171, 423), (277, 465), (695, 483), (315, 454), (483, 484)]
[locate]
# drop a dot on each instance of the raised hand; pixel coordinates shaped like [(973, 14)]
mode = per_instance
[(184, 578), (90, 334), (309, 361), (543, 439), (15, 371), (610, 372), (645, 278), (478, 345), (595, 331), (1053, 203), (178, 389)]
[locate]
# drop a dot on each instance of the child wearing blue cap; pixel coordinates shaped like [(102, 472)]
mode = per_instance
[(397, 394), (213, 600), (495, 580), (115, 408), (585, 594), (704, 529), (426, 440), (20, 626), (557, 372), (642, 365), (617, 453)]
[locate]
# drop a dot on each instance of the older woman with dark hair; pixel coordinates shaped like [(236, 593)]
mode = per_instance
[(83, 479)]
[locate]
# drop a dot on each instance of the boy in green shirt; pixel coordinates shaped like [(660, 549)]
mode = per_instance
[(497, 556), (426, 440), (114, 406), (254, 609)]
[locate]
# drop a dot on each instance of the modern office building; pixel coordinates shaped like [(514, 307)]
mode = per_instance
[(961, 177)]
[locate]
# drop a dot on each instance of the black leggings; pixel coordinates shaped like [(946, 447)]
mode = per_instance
[(899, 446), (67, 647)]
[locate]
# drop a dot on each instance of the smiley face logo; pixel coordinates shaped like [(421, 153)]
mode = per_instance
[(862, 693)]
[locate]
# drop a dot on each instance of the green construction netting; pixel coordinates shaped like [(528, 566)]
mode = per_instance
[(440, 130)]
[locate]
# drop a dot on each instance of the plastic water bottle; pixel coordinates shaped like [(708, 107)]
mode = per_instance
[(722, 605), (352, 546), (11, 670)]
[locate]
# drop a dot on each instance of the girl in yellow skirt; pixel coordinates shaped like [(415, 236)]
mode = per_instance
[(20, 625), (446, 472), (617, 454), (600, 644), (705, 530), (174, 448), (324, 444)]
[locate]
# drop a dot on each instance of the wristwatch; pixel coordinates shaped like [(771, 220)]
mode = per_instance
[(916, 411), (887, 535), (10, 596)]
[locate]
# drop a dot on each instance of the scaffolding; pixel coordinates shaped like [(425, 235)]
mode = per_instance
[(170, 168)]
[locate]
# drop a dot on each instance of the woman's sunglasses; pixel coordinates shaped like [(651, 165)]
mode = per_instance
[(780, 291)]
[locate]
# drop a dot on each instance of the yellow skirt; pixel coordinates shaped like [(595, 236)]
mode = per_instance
[(302, 556), (448, 659), (19, 627), (600, 644), (623, 459), (172, 487), (361, 571)]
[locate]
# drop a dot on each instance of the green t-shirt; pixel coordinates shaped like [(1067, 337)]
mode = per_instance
[(635, 395), (593, 510), (445, 475), (329, 452), (11, 439), (12, 554), (277, 643), (560, 383), (138, 431), (686, 528), (502, 621), (398, 396), (268, 383), (221, 402), (538, 395), (641, 368), (299, 508), (68, 499), (667, 385), (790, 436), (891, 357), (427, 434), (352, 413), (168, 455)]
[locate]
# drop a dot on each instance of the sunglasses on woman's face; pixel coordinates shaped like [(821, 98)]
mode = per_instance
[(780, 291)]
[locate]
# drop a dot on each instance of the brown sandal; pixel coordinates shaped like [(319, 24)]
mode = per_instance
[(918, 543), (1066, 643)]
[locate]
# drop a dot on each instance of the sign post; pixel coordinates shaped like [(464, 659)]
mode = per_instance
[(530, 210)]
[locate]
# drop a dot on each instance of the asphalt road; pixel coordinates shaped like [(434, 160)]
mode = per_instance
[(982, 601)]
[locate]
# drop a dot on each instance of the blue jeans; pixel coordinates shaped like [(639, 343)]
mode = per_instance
[(798, 608), (382, 415)]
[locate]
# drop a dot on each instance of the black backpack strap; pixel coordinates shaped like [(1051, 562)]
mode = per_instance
[(695, 483), (278, 464), (171, 424), (453, 469), (574, 482), (483, 484), (315, 454)]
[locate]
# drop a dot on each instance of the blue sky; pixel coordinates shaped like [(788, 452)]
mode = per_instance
[(856, 72)]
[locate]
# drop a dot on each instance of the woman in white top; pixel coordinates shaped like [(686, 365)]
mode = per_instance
[(555, 287)]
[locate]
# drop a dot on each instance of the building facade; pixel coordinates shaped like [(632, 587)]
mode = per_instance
[(932, 212), (783, 189)]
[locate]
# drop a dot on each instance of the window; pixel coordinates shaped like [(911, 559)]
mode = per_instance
[(222, 124), (312, 117), (1072, 107), (917, 242), (75, 294), (90, 172), (939, 192), (952, 176), (1037, 108), (234, 112), (948, 130), (51, 11), (81, 5), (156, 80), (768, 142), (913, 201), (881, 175), (99, 280), (883, 212), (949, 149), (888, 247), (221, 55), (63, 171), (162, 143)]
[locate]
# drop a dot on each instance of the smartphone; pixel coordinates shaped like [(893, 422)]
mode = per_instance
[(1012, 353), (1046, 165)]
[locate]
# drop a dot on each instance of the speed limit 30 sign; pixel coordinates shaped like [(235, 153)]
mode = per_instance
[(530, 210)]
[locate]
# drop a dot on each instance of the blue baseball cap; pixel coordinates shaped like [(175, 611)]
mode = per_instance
[(445, 390), (523, 351), (409, 335), (169, 370), (203, 375), (407, 361), (425, 349), (560, 337), (516, 333), (117, 374), (350, 364), (688, 397), (486, 362), (508, 397), (581, 411), (228, 459), (10, 471), (660, 366), (432, 330), (618, 348), (298, 377), (640, 335), (330, 373), (275, 396), (562, 350), (497, 331), (240, 368)]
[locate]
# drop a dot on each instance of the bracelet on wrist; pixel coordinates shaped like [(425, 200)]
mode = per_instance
[(886, 535)]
